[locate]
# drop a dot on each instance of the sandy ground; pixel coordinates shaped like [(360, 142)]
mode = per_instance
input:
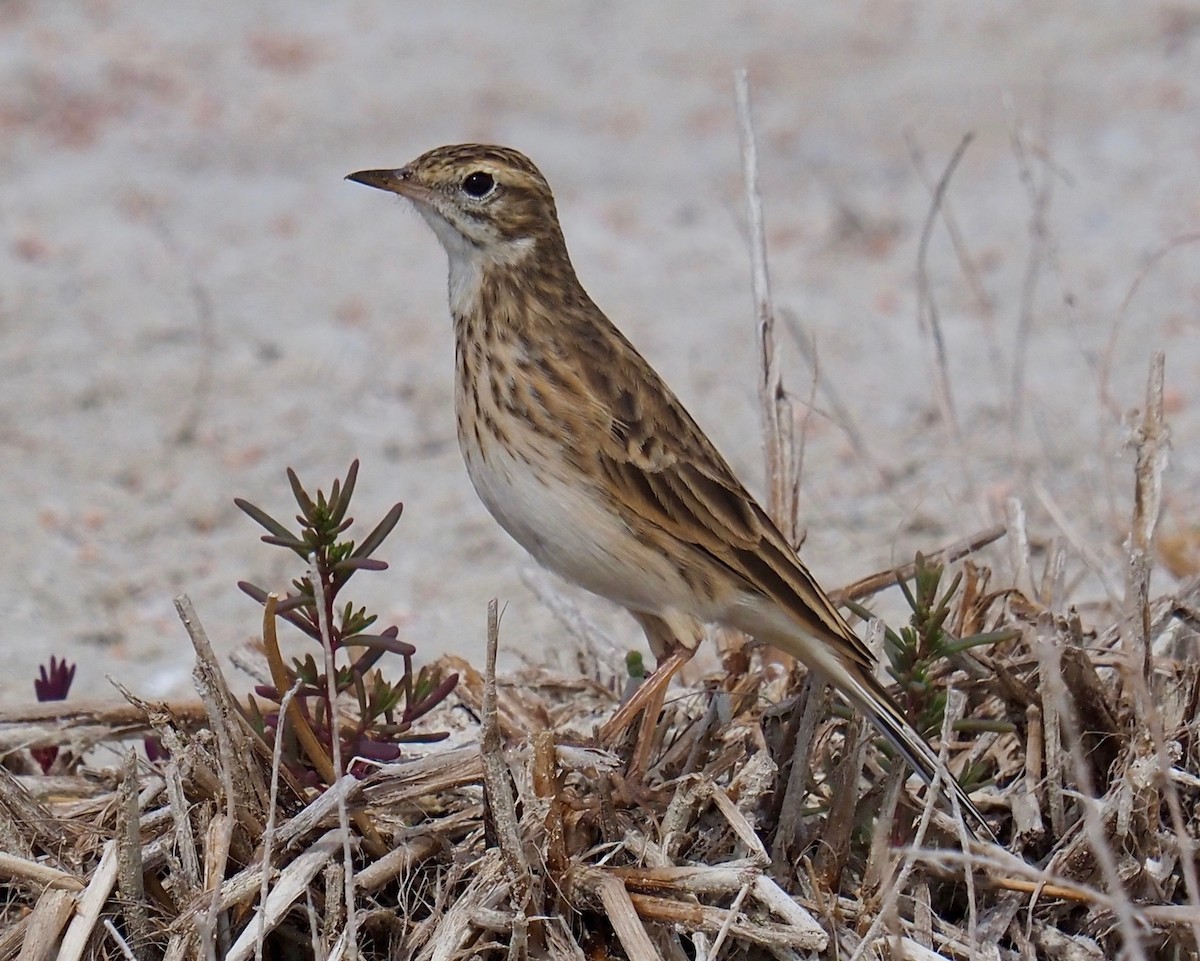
[(193, 299)]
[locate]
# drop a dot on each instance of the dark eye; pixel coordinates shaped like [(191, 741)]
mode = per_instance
[(478, 184)]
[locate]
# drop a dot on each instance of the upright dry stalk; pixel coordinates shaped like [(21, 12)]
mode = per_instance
[(130, 881), (927, 312), (89, 905), (838, 409), (811, 708), (204, 313), (1039, 242), (1109, 353), (1151, 441), (496, 780), (1043, 645), (775, 409), (335, 740), (968, 264), (122, 944), (1092, 559), (206, 675), (1018, 546), (900, 881), (1056, 700), (268, 838)]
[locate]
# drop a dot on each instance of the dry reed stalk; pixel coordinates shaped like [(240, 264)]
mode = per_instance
[(967, 263), (36, 875), (291, 885), (839, 411), (956, 551), (1151, 443), (775, 408), (928, 319), (1039, 194), (268, 839), (130, 878), (1107, 356), (339, 785), (1093, 826), (811, 708), (41, 934), (84, 723), (496, 778), (90, 904), (1091, 556)]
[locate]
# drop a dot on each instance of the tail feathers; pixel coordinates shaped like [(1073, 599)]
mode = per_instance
[(869, 696), (836, 656)]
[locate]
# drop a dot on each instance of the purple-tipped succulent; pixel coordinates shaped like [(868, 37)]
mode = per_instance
[(51, 685)]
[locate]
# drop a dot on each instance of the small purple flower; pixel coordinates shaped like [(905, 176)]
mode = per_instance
[(51, 685), (155, 751), (54, 685)]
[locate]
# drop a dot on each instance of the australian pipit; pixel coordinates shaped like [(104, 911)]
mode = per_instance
[(587, 458)]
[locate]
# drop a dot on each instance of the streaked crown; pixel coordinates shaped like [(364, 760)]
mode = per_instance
[(492, 197)]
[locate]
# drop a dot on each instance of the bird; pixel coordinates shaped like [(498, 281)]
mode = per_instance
[(584, 455)]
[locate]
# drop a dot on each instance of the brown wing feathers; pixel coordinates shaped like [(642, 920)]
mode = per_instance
[(678, 481)]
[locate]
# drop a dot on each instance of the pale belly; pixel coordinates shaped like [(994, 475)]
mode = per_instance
[(568, 530)]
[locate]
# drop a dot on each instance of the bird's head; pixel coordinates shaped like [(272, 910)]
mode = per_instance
[(483, 202)]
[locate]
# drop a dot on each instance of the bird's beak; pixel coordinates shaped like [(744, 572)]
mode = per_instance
[(397, 181)]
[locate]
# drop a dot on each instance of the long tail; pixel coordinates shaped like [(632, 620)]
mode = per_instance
[(865, 692), (820, 637)]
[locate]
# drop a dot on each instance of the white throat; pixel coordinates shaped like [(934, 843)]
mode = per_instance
[(468, 258)]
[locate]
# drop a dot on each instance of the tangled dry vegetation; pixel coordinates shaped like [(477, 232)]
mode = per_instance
[(763, 824)]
